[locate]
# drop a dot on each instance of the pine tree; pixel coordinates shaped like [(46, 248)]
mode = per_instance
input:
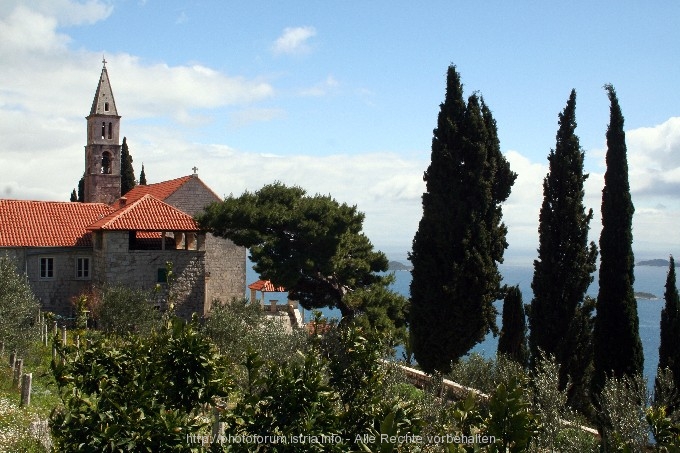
[(617, 345), (460, 238), (513, 340), (669, 353), (74, 196), (559, 319), (127, 173), (142, 177)]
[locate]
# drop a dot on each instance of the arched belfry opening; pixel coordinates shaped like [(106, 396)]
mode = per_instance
[(106, 163)]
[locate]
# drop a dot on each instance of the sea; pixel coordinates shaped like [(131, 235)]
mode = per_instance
[(648, 279)]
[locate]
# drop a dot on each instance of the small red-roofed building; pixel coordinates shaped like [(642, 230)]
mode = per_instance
[(67, 248)]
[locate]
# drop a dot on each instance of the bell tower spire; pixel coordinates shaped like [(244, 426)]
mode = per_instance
[(102, 151)]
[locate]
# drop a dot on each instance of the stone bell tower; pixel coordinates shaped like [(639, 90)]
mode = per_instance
[(102, 152)]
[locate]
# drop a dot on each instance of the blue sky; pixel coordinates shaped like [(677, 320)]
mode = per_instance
[(341, 97)]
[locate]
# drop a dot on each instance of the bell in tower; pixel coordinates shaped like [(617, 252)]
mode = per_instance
[(102, 151)]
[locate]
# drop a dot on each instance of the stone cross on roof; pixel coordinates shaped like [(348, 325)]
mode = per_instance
[(195, 169)]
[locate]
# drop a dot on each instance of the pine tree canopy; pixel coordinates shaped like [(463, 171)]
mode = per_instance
[(558, 320), (617, 344), (311, 245), (460, 238), (127, 173)]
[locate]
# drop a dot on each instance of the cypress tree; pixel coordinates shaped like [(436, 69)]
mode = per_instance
[(669, 353), (81, 190), (460, 238), (617, 345), (513, 341), (127, 173), (74, 196), (142, 177), (559, 318)]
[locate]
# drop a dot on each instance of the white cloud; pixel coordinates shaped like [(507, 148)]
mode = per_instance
[(25, 30), (294, 40), (65, 12), (654, 159), (322, 88), (248, 116)]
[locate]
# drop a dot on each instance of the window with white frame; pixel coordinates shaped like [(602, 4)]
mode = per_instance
[(46, 267), (83, 267)]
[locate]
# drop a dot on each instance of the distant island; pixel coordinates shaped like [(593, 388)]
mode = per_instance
[(656, 262), (647, 296), (397, 266)]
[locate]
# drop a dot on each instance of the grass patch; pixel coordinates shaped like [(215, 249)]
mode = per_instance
[(25, 428)]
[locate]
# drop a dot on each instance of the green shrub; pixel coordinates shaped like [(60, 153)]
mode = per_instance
[(121, 310), (623, 413), (486, 375), (239, 327), (137, 393), (18, 309)]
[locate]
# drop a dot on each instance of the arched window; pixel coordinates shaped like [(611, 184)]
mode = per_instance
[(103, 130), (106, 163), (110, 128)]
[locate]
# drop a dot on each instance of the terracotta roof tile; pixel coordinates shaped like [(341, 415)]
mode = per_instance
[(266, 286), (147, 214), (161, 190), (25, 223)]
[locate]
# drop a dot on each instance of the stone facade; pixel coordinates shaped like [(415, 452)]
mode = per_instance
[(115, 264), (56, 292), (225, 262)]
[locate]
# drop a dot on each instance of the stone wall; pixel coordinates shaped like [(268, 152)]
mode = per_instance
[(225, 270), (115, 264), (225, 261), (55, 294)]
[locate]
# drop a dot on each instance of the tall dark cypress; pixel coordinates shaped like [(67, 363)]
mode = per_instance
[(81, 189), (127, 173), (559, 317), (617, 345), (74, 196), (512, 340), (460, 238), (669, 353), (142, 177)]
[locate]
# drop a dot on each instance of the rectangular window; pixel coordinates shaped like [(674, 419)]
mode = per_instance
[(83, 268), (46, 267)]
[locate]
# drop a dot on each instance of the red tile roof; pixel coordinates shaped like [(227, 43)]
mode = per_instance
[(26, 223), (266, 286), (161, 190), (147, 214)]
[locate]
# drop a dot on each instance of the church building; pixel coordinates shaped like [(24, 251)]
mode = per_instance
[(67, 248)]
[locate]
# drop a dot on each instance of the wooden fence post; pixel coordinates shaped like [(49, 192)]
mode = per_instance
[(217, 426), (12, 360), (26, 383), (54, 328), (18, 371), (2, 348), (43, 328), (63, 335)]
